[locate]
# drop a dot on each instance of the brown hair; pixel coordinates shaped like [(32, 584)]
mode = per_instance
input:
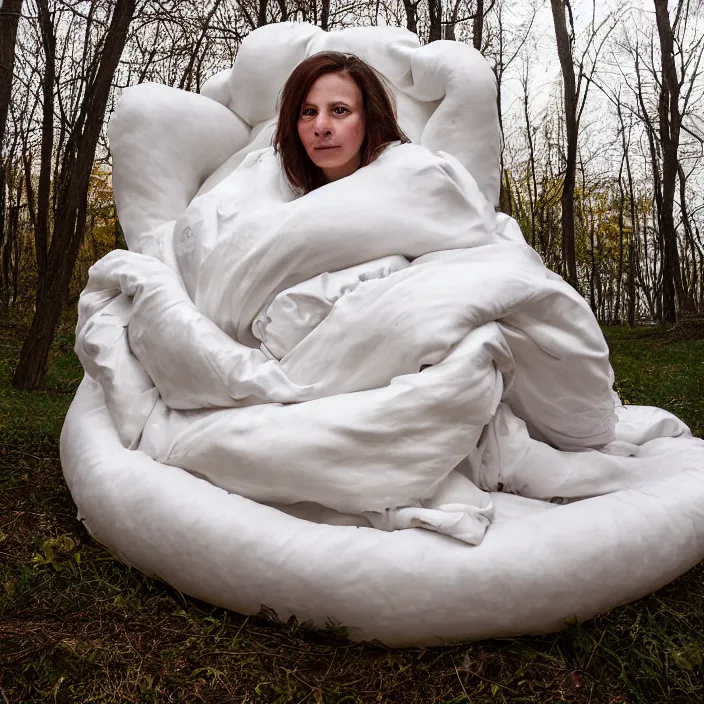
[(381, 125)]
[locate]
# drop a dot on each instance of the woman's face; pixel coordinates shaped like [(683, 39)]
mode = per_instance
[(331, 125)]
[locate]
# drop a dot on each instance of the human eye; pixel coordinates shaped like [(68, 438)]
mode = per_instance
[(340, 110), (307, 112)]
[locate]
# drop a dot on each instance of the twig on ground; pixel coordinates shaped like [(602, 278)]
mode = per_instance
[(457, 672)]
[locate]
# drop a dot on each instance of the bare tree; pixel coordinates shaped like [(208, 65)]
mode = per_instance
[(325, 15), (667, 268), (71, 186), (411, 15), (575, 91), (478, 25), (633, 234), (669, 120), (9, 19), (449, 31), (434, 20), (564, 51), (501, 49), (532, 179), (188, 74)]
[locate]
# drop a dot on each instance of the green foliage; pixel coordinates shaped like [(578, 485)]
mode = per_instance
[(78, 626), (660, 366), (36, 417), (102, 234), (603, 233)]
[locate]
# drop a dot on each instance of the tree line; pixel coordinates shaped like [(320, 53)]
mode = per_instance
[(601, 163)]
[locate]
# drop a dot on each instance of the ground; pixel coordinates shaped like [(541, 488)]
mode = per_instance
[(78, 626)]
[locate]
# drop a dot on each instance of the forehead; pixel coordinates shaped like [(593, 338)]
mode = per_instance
[(332, 87)]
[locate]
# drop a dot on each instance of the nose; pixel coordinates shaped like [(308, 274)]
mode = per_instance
[(321, 126)]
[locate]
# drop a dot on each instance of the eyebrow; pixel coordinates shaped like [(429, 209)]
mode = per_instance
[(330, 105)]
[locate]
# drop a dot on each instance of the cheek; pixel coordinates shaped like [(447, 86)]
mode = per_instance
[(355, 133), (304, 132)]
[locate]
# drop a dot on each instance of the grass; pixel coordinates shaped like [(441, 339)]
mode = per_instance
[(662, 367), (78, 626)]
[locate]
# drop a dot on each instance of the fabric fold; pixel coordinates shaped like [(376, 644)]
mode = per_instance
[(348, 348)]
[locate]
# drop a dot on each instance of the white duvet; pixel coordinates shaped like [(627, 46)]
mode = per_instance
[(385, 349), (287, 399)]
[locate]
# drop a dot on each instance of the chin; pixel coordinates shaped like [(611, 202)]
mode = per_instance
[(327, 163)]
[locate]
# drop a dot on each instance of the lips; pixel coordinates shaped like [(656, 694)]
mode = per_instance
[(320, 149)]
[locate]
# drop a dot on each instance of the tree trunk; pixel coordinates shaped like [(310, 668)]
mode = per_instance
[(325, 14), (9, 19), (12, 241), (283, 9), (564, 51), (478, 25), (690, 292), (41, 230), (261, 13), (504, 197), (435, 19), (669, 124), (69, 219), (632, 238), (505, 194), (450, 26), (532, 182), (621, 219), (3, 204), (654, 293), (411, 15)]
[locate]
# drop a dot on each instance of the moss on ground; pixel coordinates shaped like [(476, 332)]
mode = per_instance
[(78, 626)]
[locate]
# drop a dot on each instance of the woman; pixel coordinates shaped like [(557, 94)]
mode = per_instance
[(336, 115)]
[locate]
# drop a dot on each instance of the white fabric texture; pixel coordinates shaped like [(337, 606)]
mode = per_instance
[(383, 354)]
